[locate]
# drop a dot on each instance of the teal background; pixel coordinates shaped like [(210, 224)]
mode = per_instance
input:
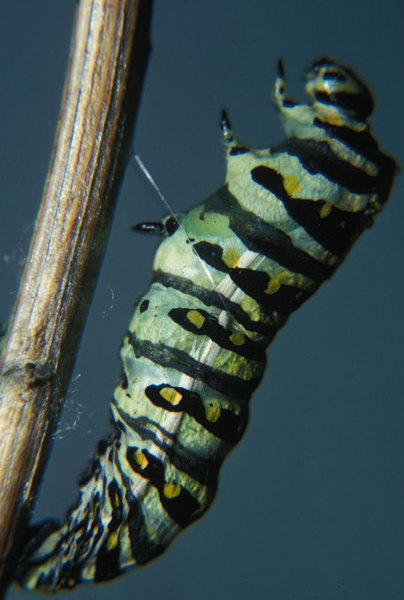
[(311, 503)]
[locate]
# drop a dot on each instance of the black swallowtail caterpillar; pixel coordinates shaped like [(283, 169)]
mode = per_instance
[(226, 277)]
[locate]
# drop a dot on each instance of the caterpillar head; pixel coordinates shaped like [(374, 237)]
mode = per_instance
[(335, 88)]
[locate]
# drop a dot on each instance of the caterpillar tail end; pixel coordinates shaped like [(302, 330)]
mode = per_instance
[(32, 571)]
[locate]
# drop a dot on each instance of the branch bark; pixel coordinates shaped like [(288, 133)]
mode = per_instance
[(108, 57)]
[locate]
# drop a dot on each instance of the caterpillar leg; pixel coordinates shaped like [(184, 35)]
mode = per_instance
[(282, 100), (233, 148), (154, 227), (3, 331), (226, 128), (166, 227)]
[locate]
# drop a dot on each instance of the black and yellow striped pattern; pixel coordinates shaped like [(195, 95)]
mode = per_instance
[(226, 278)]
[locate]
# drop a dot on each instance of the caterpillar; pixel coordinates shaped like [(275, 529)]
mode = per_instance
[(227, 275)]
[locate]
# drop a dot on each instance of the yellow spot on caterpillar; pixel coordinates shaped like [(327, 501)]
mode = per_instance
[(212, 413), (273, 286), (325, 210), (112, 540), (245, 303), (141, 459), (172, 490), (251, 308), (230, 257), (237, 339), (333, 118), (170, 395), (196, 318), (292, 185)]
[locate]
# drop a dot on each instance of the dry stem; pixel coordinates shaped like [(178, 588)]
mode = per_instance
[(107, 61)]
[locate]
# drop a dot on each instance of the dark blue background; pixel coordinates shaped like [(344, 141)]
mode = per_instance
[(311, 504)]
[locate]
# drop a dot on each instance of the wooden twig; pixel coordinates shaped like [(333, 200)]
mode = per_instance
[(108, 56)]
